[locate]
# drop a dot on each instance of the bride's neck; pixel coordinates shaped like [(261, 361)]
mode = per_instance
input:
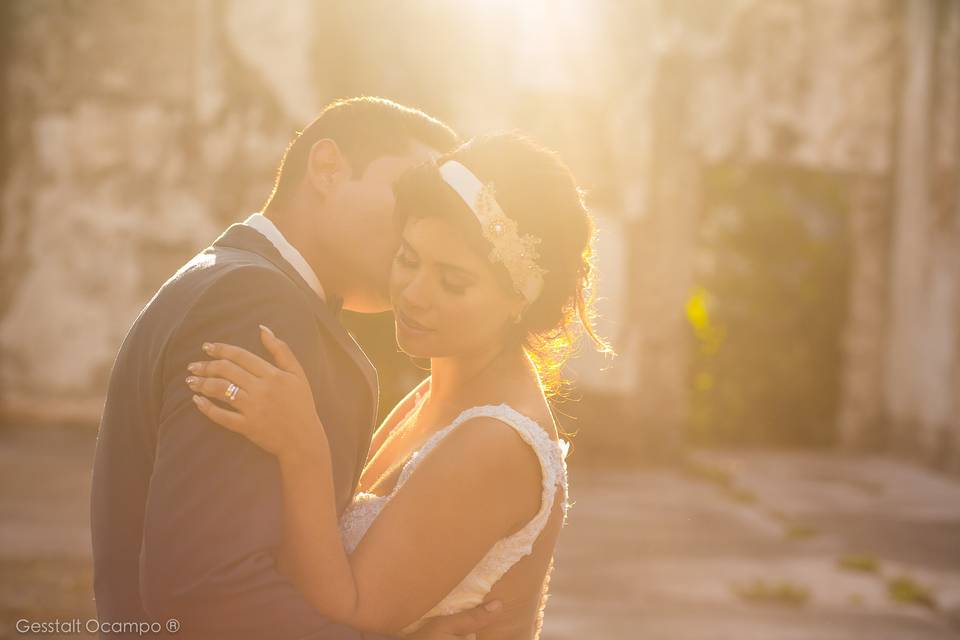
[(449, 377)]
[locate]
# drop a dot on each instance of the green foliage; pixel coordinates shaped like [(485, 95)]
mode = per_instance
[(904, 589), (801, 532), (744, 496), (761, 591), (723, 479), (707, 472), (767, 318), (863, 563)]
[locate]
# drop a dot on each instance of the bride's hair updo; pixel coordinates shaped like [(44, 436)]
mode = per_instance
[(535, 189)]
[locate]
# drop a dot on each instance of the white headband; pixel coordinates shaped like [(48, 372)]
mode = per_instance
[(518, 254)]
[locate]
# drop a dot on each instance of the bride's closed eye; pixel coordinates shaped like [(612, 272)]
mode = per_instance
[(453, 280), (407, 262), (453, 288)]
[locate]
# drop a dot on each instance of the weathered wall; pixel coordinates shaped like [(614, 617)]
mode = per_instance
[(922, 368), (134, 131), (132, 134), (807, 85), (862, 92)]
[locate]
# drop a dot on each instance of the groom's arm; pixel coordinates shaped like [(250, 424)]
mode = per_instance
[(213, 520)]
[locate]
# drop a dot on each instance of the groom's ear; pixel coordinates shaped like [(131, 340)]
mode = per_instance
[(325, 165)]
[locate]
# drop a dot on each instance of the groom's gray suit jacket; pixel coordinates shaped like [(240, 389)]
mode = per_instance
[(187, 516)]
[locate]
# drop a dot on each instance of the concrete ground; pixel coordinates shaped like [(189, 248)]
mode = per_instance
[(760, 545), (733, 544)]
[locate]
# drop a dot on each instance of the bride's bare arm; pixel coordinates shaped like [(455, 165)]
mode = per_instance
[(476, 487), (465, 496)]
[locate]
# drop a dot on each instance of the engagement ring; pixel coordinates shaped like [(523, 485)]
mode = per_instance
[(232, 392)]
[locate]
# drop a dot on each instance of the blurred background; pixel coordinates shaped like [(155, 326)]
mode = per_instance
[(775, 451)]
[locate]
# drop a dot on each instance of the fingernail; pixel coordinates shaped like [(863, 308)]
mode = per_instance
[(207, 347), (493, 606), (191, 380), (193, 367), (198, 400), (267, 329)]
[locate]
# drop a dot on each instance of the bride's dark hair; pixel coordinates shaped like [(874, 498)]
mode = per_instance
[(536, 189)]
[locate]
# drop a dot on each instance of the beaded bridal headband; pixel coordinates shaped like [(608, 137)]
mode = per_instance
[(515, 252)]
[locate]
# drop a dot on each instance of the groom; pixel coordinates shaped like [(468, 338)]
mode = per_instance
[(187, 517)]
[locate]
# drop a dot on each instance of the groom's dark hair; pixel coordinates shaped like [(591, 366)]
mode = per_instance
[(364, 129)]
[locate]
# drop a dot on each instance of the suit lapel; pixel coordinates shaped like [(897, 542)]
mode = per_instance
[(240, 236)]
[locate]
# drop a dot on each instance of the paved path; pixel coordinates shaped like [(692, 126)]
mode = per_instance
[(734, 545), (665, 554)]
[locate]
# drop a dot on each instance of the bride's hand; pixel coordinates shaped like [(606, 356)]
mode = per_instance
[(271, 405)]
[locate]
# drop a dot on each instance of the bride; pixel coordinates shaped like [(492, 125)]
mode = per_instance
[(464, 490)]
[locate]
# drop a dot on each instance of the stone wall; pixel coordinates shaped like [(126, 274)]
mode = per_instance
[(863, 92), (921, 394), (132, 134), (134, 131), (783, 84)]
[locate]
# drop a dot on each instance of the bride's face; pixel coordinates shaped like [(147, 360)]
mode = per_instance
[(446, 298)]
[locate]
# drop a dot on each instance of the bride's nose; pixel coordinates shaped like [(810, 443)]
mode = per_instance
[(416, 293)]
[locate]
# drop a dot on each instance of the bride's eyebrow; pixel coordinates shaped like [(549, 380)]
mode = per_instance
[(446, 266)]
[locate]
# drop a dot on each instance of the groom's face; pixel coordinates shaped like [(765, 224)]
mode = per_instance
[(367, 235)]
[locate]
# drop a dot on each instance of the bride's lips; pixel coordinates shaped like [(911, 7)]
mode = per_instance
[(410, 325)]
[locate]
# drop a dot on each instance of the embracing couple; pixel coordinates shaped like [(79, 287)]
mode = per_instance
[(240, 486)]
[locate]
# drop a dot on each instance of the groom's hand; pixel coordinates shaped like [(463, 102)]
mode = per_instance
[(460, 625)]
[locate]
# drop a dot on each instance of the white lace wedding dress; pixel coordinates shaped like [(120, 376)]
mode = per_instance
[(471, 591)]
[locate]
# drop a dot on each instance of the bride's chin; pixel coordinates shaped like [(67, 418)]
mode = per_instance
[(414, 340)]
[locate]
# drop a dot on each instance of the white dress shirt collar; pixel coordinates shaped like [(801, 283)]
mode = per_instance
[(270, 231)]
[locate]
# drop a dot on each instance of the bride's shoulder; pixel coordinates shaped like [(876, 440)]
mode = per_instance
[(497, 437), (495, 452)]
